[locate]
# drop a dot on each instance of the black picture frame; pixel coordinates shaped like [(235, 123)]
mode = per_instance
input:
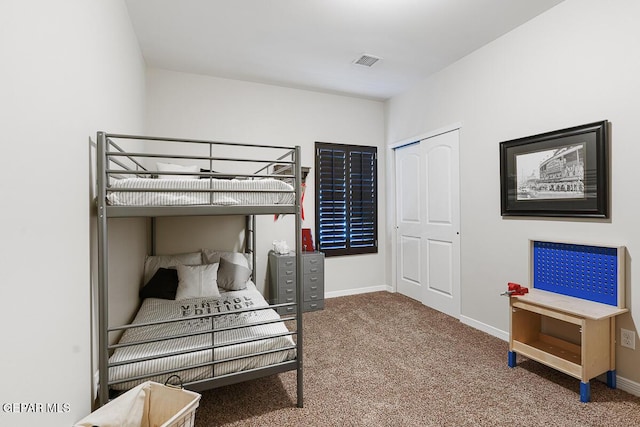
[(564, 173)]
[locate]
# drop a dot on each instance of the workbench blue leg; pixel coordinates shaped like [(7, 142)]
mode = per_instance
[(611, 378), (512, 359), (585, 392)]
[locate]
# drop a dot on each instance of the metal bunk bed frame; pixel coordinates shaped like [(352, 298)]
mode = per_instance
[(106, 157)]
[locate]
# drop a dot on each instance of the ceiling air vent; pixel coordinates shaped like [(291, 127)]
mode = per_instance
[(367, 60)]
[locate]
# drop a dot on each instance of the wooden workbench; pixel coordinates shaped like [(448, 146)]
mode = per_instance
[(571, 334)]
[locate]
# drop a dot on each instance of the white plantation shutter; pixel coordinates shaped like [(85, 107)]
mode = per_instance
[(346, 199)]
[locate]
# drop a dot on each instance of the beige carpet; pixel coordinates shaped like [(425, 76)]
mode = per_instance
[(383, 359)]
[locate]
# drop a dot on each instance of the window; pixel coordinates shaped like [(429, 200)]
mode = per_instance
[(346, 199)]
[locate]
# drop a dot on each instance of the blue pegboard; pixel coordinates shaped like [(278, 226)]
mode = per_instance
[(581, 271)]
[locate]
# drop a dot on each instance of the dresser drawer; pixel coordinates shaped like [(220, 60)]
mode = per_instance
[(314, 296), (287, 298), (313, 305), (287, 263), (312, 264), (313, 283), (287, 310), (286, 282), (286, 292), (287, 272)]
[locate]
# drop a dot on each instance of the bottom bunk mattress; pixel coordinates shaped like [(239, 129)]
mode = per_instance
[(272, 340)]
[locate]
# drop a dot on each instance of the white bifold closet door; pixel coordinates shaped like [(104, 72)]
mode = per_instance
[(428, 222)]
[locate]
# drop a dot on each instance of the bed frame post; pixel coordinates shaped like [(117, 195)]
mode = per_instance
[(250, 242), (103, 294), (152, 231), (253, 247), (299, 269)]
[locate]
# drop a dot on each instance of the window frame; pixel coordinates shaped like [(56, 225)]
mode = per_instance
[(372, 244)]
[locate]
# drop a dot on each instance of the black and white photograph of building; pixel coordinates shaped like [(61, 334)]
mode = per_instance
[(551, 174)]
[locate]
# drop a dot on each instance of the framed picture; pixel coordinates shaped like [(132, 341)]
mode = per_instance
[(559, 173)]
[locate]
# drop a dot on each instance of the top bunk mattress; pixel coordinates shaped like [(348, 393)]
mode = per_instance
[(193, 192)]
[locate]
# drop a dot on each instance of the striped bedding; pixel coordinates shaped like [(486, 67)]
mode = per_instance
[(182, 196), (154, 309)]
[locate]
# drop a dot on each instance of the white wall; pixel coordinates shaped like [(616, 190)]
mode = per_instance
[(194, 106), (575, 64), (68, 69)]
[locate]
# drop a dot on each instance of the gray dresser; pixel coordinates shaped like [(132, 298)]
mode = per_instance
[(282, 280)]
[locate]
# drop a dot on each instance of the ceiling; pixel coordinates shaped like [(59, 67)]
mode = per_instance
[(312, 44)]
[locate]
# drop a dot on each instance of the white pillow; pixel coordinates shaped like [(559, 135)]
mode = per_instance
[(197, 281), (170, 167), (212, 256), (153, 262)]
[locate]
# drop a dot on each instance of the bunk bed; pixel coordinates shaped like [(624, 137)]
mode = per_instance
[(208, 340)]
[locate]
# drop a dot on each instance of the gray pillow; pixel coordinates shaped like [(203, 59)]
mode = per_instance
[(153, 263), (232, 277), (212, 256)]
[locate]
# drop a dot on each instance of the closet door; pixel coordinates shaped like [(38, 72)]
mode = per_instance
[(409, 221), (441, 231), (428, 222)]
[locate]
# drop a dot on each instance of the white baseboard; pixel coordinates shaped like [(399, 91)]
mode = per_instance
[(357, 291), (629, 386), (504, 336)]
